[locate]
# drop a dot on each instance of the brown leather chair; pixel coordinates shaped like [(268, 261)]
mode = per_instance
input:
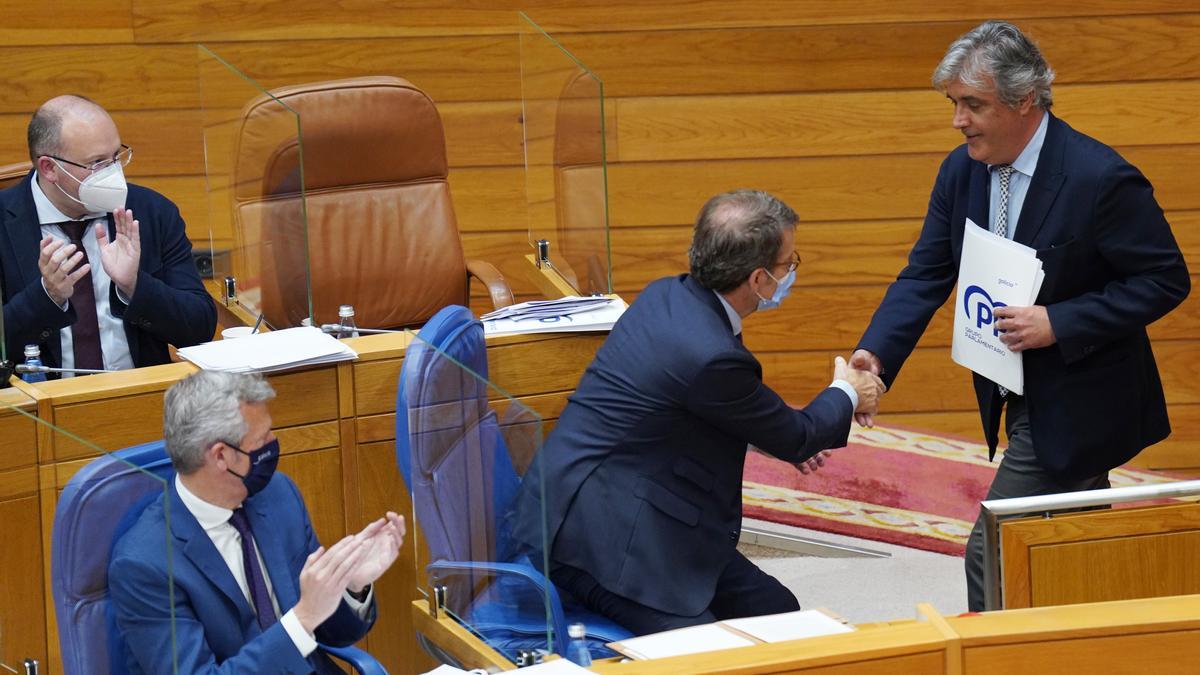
[(381, 229), (12, 174)]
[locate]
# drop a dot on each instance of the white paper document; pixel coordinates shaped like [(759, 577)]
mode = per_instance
[(805, 623), (267, 352), (570, 314), (994, 272), (693, 640), (554, 667)]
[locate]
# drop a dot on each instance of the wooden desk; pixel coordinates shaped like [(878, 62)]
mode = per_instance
[(1142, 637), (336, 426)]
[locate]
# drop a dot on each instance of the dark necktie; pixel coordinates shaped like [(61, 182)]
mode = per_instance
[(254, 574), (1005, 173), (85, 332)]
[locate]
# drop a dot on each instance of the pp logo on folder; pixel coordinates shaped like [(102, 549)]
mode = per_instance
[(984, 306)]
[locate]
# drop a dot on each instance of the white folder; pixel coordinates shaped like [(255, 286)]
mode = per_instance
[(993, 272)]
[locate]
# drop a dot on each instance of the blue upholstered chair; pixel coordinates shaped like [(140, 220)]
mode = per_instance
[(452, 454), (98, 505)]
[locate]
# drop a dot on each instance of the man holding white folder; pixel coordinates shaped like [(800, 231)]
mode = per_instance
[(1092, 395)]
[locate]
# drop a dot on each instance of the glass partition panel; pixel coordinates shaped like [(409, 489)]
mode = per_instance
[(111, 546), (257, 217), (566, 186), (477, 505)]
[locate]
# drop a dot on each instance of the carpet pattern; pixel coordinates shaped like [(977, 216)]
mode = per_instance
[(904, 487)]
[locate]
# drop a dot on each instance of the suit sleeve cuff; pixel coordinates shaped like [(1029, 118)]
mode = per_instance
[(849, 389), (361, 607), (66, 303), (305, 643)]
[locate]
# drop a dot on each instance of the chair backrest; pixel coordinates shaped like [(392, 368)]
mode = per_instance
[(12, 174), (381, 228), (86, 520), (461, 476)]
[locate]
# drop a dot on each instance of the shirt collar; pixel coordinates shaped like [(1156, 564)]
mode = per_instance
[(1026, 162), (48, 213), (735, 321), (208, 515)]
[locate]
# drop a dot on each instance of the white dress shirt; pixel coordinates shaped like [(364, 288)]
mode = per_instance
[(113, 341), (1018, 182), (735, 322), (215, 521)]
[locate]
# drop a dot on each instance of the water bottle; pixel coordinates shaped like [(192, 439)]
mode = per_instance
[(346, 327), (33, 357), (577, 650)]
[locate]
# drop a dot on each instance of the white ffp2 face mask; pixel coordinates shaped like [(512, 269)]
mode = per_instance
[(102, 192)]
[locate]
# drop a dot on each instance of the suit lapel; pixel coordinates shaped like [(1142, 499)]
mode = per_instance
[(1043, 188), (24, 233), (271, 546), (198, 548)]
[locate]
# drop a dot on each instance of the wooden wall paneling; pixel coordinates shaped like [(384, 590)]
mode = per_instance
[(318, 474), (69, 23), (676, 128), (393, 639), (1117, 554), (129, 77), (22, 564), (871, 56), (239, 20)]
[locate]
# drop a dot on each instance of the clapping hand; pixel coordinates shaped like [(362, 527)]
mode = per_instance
[(120, 256), (381, 541)]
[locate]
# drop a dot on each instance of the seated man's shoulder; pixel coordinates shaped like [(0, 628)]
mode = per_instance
[(141, 198)]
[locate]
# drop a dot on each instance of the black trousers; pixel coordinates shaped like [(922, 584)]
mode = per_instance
[(742, 590), (1019, 475)]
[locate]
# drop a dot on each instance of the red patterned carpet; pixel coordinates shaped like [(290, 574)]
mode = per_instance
[(895, 485)]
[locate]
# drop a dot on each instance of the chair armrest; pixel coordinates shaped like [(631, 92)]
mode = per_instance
[(546, 589), (362, 662), (490, 276)]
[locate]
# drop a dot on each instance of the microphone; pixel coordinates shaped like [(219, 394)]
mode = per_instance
[(333, 328), (26, 368)]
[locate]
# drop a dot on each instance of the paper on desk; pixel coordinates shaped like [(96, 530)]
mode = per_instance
[(993, 272), (693, 640), (602, 315), (268, 352), (789, 625), (555, 667)]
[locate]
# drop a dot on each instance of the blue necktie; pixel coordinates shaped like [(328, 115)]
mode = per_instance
[(254, 574)]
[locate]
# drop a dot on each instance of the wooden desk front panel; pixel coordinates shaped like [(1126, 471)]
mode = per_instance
[(1166, 653), (1115, 554)]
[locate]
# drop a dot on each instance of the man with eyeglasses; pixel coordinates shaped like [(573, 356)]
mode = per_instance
[(643, 471), (97, 272)]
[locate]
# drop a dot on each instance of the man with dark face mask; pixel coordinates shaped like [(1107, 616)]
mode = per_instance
[(96, 271), (253, 589)]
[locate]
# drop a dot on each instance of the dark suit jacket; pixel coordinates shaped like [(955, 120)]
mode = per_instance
[(169, 305), (1112, 267), (216, 630), (643, 472)]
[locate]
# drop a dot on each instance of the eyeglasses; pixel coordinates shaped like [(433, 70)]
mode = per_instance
[(791, 264), (124, 155)]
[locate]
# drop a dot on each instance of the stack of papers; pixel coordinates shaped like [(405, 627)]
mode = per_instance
[(732, 633), (572, 313), (994, 272), (268, 352)]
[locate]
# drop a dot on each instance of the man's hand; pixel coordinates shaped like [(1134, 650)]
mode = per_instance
[(868, 386), (813, 463), (60, 268), (324, 578), (862, 359), (120, 256), (381, 541), (1024, 328)]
